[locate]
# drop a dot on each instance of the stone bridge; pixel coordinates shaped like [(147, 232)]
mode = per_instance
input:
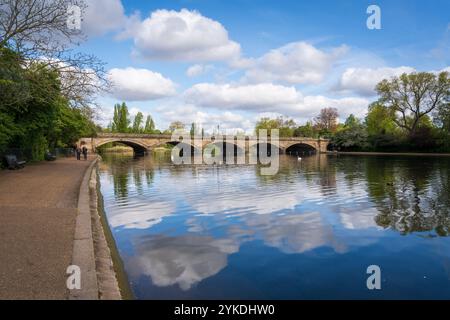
[(146, 142)]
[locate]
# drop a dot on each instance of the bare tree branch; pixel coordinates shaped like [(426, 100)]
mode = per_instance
[(38, 31)]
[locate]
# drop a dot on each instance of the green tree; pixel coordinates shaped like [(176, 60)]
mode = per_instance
[(13, 82), (351, 121), (121, 121), (38, 31), (442, 122), (193, 130), (383, 132), (137, 124), (326, 121), (352, 136), (38, 116), (176, 125), (34, 114), (267, 123), (380, 120), (37, 96), (411, 97), (70, 125), (149, 125), (286, 127), (124, 118), (115, 121), (442, 117), (306, 130)]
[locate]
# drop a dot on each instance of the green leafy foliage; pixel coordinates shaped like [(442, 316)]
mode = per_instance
[(121, 121), (149, 125), (286, 127), (352, 137), (137, 123), (34, 116), (382, 129), (306, 130)]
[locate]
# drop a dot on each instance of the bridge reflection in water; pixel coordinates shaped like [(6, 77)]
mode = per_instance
[(310, 231)]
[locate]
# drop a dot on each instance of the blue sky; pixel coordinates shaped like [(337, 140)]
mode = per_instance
[(231, 62)]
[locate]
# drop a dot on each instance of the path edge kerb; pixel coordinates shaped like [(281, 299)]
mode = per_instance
[(90, 249), (107, 280), (83, 244)]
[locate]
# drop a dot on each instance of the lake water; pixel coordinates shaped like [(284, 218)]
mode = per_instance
[(309, 232)]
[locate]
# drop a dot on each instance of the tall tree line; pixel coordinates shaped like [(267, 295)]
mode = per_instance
[(412, 113), (46, 86), (122, 123)]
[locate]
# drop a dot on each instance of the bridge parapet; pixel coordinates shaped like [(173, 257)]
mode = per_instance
[(148, 141), (168, 136)]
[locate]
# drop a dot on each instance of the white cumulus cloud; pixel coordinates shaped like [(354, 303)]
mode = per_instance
[(182, 35), (364, 80), (198, 70), (257, 97), (312, 105), (103, 16), (268, 97), (132, 84), (294, 63), (228, 121)]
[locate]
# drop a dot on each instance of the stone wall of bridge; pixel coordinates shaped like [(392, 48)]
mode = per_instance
[(148, 142)]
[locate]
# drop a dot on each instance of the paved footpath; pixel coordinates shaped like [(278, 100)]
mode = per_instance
[(38, 209)]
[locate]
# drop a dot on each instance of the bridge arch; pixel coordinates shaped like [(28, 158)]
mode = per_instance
[(301, 148), (182, 145), (138, 147), (145, 142), (270, 148), (228, 148)]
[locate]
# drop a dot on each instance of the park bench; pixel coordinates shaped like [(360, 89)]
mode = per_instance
[(12, 162), (49, 156)]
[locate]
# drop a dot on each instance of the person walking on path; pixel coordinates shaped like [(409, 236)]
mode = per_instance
[(78, 152), (85, 151), (74, 149)]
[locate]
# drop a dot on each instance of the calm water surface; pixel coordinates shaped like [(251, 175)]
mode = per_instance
[(310, 232)]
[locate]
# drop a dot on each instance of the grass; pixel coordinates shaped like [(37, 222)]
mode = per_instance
[(118, 149)]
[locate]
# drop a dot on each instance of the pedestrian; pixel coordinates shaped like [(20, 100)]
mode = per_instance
[(85, 151), (78, 152)]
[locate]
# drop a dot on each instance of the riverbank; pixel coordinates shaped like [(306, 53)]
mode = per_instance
[(129, 150), (414, 154), (118, 149), (90, 248), (45, 226)]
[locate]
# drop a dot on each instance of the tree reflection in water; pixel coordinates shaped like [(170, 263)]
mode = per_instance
[(181, 228), (411, 195)]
